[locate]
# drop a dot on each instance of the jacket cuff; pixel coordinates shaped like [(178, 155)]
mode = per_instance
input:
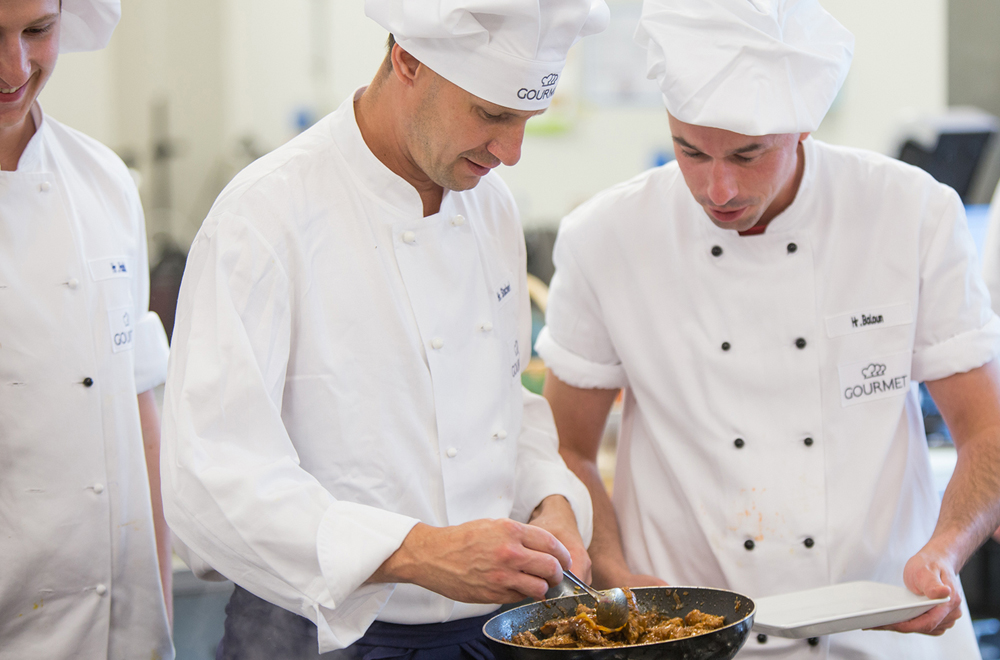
[(575, 370), (151, 353)]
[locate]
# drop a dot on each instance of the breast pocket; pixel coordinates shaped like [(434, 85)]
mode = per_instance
[(874, 351), (113, 276)]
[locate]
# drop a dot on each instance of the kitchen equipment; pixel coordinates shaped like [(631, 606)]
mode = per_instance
[(838, 608), (721, 644), (612, 605)]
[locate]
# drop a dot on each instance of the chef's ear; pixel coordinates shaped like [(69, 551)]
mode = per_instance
[(404, 65)]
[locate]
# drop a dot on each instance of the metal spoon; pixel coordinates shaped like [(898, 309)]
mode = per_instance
[(612, 606)]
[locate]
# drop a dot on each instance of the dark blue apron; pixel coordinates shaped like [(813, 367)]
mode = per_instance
[(258, 630)]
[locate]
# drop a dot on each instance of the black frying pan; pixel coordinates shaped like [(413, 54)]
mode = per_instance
[(721, 644)]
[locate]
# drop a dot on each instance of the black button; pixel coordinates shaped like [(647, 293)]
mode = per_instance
[(800, 342), (814, 641), (809, 543), (792, 247), (725, 346), (739, 443), (809, 442), (716, 251), (762, 638), (88, 381), (748, 544)]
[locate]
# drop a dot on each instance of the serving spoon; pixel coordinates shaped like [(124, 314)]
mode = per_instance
[(612, 605)]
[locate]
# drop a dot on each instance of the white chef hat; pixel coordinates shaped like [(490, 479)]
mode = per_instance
[(508, 52), (87, 24), (755, 67)]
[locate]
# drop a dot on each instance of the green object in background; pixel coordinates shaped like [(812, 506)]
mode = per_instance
[(533, 381)]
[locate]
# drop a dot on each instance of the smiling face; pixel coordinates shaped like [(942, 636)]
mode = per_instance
[(739, 180), (455, 138), (29, 47)]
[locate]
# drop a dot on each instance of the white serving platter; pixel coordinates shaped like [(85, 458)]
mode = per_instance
[(837, 608)]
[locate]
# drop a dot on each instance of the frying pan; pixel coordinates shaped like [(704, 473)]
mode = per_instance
[(721, 644)]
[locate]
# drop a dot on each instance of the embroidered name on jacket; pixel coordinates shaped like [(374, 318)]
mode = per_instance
[(502, 292), (868, 319), (109, 267), (875, 379)]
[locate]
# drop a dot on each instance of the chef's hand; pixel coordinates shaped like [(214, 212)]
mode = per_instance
[(555, 515), (932, 575), (483, 561)]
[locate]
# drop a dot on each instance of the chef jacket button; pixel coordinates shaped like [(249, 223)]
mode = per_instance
[(716, 251), (437, 343), (486, 326), (72, 283), (98, 488), (749, 544), (800, 342), (762, 638), (814, 641), (452, 452), (458, 221), (500, 435), (809, 542), (44, 186), (725, 346), (809, 442), (88, 381), (792, 247), (409, 237), (739, 443), (101, 589)]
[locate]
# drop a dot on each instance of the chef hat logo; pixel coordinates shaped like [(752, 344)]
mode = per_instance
[(873, 370), (497, 50)]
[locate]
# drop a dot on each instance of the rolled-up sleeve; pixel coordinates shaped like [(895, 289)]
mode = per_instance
[(151, 352), (233, 489), (575, 343), (956, 329)]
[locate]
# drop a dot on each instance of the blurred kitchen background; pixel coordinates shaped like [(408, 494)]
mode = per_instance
[(191, 91)]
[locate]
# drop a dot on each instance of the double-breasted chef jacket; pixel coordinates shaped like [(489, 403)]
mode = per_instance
[(80, 577), (771, 437), (342, 368)]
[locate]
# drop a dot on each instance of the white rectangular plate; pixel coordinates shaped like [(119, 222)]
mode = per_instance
[(837, 608)]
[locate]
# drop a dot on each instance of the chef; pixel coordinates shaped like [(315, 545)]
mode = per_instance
[(768, 303), (85, 549), (346, 436)]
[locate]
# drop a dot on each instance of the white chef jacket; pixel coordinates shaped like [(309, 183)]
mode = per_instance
[(343, 368), (80, 577), (771, 436)]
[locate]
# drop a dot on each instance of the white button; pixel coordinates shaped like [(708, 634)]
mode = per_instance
[(458, 221), (44, 186), (486, 326), (500, 435), (101, 589), (73, 283), (437, 343), (409, 237), (452, 452), (98, 488)]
